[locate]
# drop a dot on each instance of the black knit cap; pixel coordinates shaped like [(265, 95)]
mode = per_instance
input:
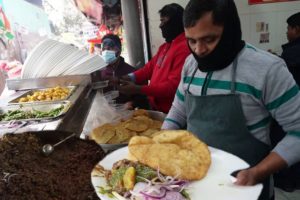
[(111, 40), (224, 12), (172, 10), (174, 26), (294, 20)]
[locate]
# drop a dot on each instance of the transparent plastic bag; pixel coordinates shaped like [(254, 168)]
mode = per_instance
[(100, 113)]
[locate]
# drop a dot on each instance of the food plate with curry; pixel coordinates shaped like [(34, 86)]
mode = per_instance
[(157, 169)]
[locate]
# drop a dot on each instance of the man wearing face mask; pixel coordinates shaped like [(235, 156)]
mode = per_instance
[(230, 90), (110, 50), (163, 70)]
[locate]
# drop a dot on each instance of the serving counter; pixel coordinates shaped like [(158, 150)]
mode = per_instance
[(72, 121), (92, 115)]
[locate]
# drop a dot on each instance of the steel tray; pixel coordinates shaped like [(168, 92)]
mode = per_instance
[(100, 85), (31, 92), (41, 106)]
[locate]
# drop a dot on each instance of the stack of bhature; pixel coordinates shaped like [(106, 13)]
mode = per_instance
[(158, 168), (174, 153), (139, 124)]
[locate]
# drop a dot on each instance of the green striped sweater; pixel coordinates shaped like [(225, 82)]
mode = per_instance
[(266, 90)]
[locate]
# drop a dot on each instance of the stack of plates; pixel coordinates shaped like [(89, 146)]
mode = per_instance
[(53, 58)]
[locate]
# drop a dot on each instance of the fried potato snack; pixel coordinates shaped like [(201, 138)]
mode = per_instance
[(175, 153)]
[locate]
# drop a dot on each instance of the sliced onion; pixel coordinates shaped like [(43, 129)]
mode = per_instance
[(180, 182), (160, 195), (159, 188), (173, 196), (134, 194), (153, 189), (168, 187), (146, 180), (127, 194), (161, 177), (138, 187)]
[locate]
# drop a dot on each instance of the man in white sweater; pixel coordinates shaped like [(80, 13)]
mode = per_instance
[(230, 90)]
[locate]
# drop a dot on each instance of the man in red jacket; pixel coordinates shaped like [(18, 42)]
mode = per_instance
[(164, 69)]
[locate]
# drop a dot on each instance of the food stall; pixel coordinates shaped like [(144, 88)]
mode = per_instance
[(101, 155), (27, 125), (79, 168)]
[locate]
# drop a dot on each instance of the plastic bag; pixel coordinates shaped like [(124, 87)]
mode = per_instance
[(103, 111)]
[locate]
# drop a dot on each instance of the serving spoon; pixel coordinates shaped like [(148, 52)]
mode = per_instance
[(47, 149)]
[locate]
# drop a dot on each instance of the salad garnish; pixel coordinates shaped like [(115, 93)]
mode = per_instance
[(130, 180)]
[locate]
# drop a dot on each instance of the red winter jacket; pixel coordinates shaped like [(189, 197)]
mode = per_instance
[(163, 71)]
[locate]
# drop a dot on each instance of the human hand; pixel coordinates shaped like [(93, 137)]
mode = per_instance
[(129, 105), (248, 176), (269, 165), (129, 88), (126, 78), (113, 81)]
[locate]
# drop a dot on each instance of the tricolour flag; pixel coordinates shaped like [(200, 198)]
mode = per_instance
[(5, 30)]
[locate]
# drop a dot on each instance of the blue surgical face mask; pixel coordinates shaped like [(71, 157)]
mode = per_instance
[(109, 56)]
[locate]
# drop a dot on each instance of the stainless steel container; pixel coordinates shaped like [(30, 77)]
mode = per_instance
[(37, 108), (31, 92)]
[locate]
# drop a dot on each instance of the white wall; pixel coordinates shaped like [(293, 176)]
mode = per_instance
[(274, 14)]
